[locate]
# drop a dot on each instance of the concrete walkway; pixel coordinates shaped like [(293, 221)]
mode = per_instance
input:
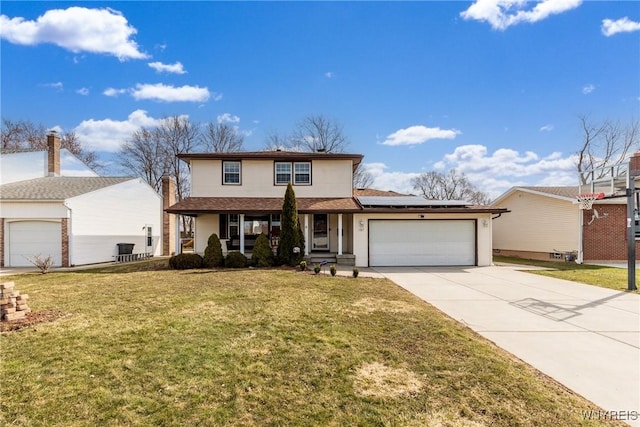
[(585, 337)]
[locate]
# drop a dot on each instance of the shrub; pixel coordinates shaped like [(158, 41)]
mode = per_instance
[(316, 269), (185, 261), (355, 271), (43, 263), (262, 255), (291, 235), (333, 270), (235, 260), (213, 253), (303, 265)]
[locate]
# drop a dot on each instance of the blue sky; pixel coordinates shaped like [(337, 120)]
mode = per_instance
[(492, 88)]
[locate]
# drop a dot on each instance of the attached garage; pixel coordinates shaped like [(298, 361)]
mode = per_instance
[(29, 238), (438, 242)]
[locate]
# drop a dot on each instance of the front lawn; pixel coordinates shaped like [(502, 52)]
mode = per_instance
[(605, 277), (258, 348)]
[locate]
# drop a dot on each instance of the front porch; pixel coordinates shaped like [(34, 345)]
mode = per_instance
[(328, 236)]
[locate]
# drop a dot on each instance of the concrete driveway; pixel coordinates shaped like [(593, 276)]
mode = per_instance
[(585, 337)]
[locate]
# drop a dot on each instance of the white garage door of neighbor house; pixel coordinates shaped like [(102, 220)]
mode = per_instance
[(30, 238), (422, 242)]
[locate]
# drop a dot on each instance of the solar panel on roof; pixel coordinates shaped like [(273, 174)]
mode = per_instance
[(406, 201)]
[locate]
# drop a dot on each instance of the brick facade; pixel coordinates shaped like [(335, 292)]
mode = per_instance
[(606, 237), (65, 242), (1, 242), (53, 145), (168, 220)]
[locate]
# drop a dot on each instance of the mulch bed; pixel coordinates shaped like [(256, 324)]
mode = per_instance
[(33, 318)]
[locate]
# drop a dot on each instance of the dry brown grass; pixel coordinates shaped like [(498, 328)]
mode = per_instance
[(256, 348)]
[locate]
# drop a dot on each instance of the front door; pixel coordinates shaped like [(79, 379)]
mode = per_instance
[(320, 240)]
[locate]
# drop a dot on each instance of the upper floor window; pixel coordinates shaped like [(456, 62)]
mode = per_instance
[(298, 173), (302, 173), (231, 173), (283, 173)]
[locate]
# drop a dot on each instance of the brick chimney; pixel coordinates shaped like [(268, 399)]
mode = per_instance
[(53, 146), (634, 164), (168, 220)]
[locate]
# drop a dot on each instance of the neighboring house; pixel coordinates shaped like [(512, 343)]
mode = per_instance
[(20, 165), (74, 219), (240, 195), (547, 223)]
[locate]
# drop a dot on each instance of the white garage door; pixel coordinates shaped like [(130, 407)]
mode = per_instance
[(422, 242), (29, 238)]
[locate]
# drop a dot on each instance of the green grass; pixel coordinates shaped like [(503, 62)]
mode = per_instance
[(258, 348), (605, 277)]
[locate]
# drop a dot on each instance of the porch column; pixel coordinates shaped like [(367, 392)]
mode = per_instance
[(306, 234), (177, 249), (339, 234), (241, 225)]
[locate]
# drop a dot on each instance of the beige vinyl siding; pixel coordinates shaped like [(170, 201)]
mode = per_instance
[(536, 223), (330, 178)]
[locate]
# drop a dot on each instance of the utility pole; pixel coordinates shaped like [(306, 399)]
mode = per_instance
[(632, 171)]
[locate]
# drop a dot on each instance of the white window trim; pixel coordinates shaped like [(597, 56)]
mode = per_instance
[(224, 172), (275, 173), (294, 173)]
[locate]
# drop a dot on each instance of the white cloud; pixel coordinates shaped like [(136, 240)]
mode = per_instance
[(166, 93), (109, 135), (55, 85), (228, 118), (78, 29), (113, 92), (622, 25), (83, 91), (390, 181), (510, 167), (546, 128), (176, 68), (217, 96), (501, 14), (587, 89), (329, 74), (493, 173), (418, 135)]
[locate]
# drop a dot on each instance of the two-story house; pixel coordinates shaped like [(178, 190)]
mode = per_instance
[(240, 195), (52, 205)]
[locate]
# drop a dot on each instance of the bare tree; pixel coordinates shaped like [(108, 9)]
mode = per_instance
[(450, 186), (222, 138), (605, 144), (144, 155), (153, 153), (362, 178), (318, 133), (177, 135), (27, 135), (23, 135), (280, 141)]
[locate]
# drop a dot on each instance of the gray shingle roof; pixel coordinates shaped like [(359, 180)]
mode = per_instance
[(565, 191), (56, 188)]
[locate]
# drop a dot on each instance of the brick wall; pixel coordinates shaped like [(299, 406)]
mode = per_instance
[(65, 242), (53, 145), (606, 238), (168, 220), (1, 242)]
